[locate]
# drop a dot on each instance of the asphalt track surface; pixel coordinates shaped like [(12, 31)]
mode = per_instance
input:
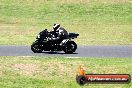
[(82, 51)]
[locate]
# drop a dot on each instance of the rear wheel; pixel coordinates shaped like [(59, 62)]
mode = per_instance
[(70, 47), (36, 47)]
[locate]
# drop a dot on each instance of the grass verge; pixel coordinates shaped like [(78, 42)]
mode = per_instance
[(99, 22), (58, 72)]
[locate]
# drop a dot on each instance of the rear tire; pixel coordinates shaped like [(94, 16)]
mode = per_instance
[(36, 47), (70, 47)]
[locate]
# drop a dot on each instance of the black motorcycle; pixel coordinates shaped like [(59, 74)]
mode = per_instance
[(42, 43)]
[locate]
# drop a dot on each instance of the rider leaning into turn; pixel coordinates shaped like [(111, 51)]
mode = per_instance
[(59, 33)]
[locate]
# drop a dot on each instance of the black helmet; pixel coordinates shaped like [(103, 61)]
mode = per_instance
[(56, 26)]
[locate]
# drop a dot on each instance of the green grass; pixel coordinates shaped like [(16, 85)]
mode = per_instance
[(99, 22), (103, 22), (58, 72)]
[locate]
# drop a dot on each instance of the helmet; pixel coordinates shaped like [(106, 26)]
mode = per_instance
[(56, 26)]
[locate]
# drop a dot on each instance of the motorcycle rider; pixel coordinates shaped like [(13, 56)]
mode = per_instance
[(59, 33)]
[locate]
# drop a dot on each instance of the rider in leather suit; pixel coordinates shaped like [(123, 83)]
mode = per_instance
[(59, 33)]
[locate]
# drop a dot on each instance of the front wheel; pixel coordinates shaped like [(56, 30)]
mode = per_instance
[(70, 47), (36, 47)]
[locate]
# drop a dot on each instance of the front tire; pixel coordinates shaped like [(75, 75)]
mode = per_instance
[(70, 47), (36, 47)]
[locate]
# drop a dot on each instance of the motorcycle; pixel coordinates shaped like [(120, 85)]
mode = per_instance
[(42, 43)]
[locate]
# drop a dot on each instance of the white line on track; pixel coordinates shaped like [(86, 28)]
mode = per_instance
[(72, 57), (26, 56)]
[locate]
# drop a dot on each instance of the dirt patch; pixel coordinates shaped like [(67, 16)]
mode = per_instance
[(59, 69), (26, 69)]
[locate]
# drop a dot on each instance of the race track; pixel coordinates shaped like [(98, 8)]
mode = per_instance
[(82, 51)]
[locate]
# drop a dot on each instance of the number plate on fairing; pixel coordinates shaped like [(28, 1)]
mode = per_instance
[(38, 36)]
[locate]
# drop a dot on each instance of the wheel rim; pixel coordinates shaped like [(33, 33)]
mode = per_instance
[(70, 47)]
